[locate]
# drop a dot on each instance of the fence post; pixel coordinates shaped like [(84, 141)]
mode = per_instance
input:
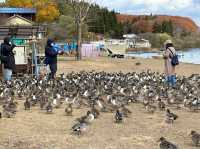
[(35, 58)]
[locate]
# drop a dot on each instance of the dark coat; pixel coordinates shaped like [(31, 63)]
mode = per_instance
[(7, 54), (50, 53)]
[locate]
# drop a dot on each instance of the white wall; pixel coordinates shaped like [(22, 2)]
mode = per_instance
[(20, 55)]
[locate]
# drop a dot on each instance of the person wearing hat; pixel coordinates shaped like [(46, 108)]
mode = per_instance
[(7, 58), (51, 57), (169, 69)]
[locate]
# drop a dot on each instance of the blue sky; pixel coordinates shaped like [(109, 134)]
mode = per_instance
[(188, 8)]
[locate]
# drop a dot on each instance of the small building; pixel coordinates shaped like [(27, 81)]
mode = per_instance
[(19, 24), (142, 43), (130, 36), (135, 41)]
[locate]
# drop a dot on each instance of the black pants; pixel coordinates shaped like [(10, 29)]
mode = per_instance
[(53, 68)]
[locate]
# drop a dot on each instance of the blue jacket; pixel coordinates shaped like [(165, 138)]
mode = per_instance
[(50, 53)]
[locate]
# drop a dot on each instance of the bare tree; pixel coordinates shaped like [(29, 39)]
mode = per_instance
[(81, 9)]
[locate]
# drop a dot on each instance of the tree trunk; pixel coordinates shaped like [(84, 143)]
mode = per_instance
[(79, 41)]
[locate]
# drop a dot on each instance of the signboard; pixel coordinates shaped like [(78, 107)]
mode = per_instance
[(19, 41)]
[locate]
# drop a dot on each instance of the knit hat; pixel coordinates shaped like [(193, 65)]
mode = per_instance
[(168, 41)]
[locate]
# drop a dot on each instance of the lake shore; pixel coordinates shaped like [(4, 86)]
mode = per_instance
[(125, 65), (142, 49)]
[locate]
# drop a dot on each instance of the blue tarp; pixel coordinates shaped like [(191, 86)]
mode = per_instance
[(66, 46), (18, 10)]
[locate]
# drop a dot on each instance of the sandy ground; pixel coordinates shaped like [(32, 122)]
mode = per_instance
[(124, 65), (37, 130)]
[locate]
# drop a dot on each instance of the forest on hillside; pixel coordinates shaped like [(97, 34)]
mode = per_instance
[(157, 28)]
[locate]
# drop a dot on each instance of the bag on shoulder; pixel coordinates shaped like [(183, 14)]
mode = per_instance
[(174, 59), (46, 61), (2, 57)]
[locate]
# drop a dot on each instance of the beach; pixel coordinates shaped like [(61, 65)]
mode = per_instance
[(124, 65)]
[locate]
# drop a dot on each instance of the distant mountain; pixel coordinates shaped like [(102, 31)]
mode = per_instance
[(147, 22)]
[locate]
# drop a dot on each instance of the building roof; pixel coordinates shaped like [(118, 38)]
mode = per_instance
[(9, 20), (17, 10)]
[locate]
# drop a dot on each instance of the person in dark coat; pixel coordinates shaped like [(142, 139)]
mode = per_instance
[(51, 57), (7, 58)]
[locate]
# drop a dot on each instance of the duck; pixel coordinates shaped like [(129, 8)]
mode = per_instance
[(42, 103), (118, 116), (27, 104), (69, 110), (148, 107), (49, 108), (6, 112), (33, 100), (170, 117), (95, 112), (88, 118), (161, 105), (56, 103), (195, 138), (126, 112), (79, 128), (137, 63), (164, 144), (12, 106), (195, 104)]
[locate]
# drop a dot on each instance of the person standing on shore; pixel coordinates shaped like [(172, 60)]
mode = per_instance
[(170, 62), (7, 58), (51, 57)]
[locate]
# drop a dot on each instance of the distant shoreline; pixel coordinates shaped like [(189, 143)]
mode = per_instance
[(142, 49), (154, 49)]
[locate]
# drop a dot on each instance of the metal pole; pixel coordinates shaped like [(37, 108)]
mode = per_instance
[(35, 59)]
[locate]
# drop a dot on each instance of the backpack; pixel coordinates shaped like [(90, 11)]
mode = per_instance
[(174, 58)]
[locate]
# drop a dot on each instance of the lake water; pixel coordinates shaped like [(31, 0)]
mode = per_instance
[(188, 56)]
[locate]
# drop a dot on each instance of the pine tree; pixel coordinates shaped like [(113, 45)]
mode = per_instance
[(157, 28)]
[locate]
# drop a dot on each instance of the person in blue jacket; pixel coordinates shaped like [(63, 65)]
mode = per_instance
[(51, 57)]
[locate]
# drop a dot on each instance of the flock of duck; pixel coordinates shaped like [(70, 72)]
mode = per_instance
[(104, 92)]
